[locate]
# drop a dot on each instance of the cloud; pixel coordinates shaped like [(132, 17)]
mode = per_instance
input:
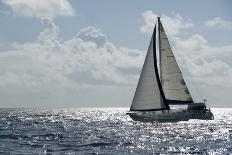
[(173, 24), (204, 61), (195, 42), (219, 23), (91, 34), (49, 34), (206, 68), (87, 58), (53, 71), (40, 8)]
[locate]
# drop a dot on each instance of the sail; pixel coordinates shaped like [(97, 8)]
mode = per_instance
[(148, 95), (173, 83)]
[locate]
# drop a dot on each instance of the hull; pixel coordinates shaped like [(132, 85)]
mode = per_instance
[(170, 115)]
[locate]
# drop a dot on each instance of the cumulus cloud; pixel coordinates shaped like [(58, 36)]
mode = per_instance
[(51, 69), (195, 42), (87, 58), (206, 68), (40, 8), (91, 34), (88, 64), (219, 23), (173, 24)]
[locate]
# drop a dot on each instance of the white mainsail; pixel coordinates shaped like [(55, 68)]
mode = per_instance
[(148, 94), (173, 84)]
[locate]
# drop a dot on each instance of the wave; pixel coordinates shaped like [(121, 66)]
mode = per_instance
[(103, 131), (99, 144)]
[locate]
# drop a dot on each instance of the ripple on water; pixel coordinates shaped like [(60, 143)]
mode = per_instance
[(109, 131)]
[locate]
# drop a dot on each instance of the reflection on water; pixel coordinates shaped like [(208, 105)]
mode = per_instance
[(109, 131)]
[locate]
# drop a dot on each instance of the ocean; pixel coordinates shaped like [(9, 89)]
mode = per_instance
[(109, 131)]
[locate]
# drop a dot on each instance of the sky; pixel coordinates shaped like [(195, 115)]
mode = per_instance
[(84, 53)]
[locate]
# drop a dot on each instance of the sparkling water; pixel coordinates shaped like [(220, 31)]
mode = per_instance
[(109, 131)]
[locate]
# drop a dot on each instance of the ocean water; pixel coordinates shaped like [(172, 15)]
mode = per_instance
[(109, 131)]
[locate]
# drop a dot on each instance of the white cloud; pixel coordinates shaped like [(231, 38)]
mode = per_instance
[(207, 69), (195, 42), (149, 21), (74, 63), (173, 24), (51, 67), (204, 61), (91, 34), (40, 8), (219, 23)]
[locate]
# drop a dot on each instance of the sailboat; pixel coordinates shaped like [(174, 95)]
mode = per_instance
[(158, 89)]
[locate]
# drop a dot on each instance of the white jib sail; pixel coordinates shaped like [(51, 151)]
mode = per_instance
[(173, 84), (147, 95)]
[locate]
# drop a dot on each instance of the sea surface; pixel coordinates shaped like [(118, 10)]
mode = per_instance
[(109, 131)]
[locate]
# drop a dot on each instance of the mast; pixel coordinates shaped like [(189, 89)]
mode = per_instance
[(159, 22), (165, 103)]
